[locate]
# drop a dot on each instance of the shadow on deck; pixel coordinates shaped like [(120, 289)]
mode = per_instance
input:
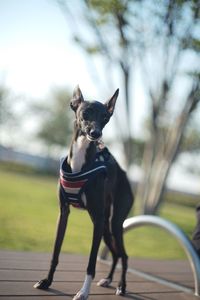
[(20, 270)]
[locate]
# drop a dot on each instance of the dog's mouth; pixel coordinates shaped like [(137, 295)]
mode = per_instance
[(93, 139)]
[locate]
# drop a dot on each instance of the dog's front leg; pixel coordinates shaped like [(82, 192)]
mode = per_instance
[(97, 235), (61, 228)]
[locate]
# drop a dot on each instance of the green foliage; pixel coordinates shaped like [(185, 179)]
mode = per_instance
[(191, 141), (29, 209), (137, 146), (6, 107), (105, 7), (56, 123)]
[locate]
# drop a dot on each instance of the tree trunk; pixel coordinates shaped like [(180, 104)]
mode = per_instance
[(159, 158)]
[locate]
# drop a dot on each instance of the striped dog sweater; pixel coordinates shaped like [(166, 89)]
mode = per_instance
[(72, 185)]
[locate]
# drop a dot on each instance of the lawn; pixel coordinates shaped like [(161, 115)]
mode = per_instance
[(28, 214)]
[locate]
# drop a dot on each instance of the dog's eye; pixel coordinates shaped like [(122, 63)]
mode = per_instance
[(106, 119), (87, 114)]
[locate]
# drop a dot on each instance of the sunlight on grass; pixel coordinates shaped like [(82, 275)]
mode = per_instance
[(152, 242), (28, 216)]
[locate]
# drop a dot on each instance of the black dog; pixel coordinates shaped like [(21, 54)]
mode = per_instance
[(91, 178)]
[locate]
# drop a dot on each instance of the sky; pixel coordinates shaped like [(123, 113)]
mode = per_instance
[(37, 53)]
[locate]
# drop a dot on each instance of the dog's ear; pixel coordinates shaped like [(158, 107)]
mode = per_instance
[(76, 99), (110, 104)]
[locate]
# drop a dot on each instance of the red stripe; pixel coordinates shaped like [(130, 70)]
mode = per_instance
[(70, 184), (76, 205)]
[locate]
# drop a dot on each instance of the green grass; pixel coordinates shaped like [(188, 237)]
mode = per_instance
[(28, 214)]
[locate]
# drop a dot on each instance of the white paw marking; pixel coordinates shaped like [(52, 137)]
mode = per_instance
[(80, 296), (119, 291), (84, 292), (104, 282)]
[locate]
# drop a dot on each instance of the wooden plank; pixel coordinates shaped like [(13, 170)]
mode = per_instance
[(22, 289), (20, 270), (178, 271)]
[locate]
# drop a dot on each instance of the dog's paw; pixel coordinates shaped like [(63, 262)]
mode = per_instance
[(80, 296), (120, 291), (42, 284), (105, 282)]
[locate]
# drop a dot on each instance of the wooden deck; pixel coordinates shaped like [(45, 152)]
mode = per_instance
[(20, 270)]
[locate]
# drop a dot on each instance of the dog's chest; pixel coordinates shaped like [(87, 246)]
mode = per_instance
[(79, 150)]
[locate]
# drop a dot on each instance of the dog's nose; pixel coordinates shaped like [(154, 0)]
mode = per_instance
[(95, 133)]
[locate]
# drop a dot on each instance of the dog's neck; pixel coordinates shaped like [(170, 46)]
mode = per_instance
[(81, 152)]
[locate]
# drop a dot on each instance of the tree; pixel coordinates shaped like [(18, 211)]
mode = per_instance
[(5, 111), (174, 30), (56, 124), (161, 36), (9, 120), (102, 18)]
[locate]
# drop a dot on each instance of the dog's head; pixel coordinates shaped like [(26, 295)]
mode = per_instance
[(91, 117)]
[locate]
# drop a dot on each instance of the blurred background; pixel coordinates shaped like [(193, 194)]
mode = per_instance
[(149, 49)]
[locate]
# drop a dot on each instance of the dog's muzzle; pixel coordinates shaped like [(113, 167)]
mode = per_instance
[(94, 135)]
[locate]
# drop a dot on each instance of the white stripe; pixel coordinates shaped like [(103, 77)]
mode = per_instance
[(70, 175), (71, 190)]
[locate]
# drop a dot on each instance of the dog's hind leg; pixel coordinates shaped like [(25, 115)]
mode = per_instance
[(118, 236), (123, 201), (119, 215), (110, 243), (61, 228), (105, 282)]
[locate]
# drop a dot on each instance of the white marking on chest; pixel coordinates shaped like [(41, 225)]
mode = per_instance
[(79, 153)]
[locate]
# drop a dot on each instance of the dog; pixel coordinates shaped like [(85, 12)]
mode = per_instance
[(91, 178)]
